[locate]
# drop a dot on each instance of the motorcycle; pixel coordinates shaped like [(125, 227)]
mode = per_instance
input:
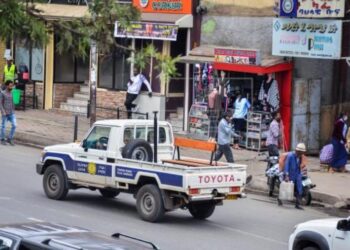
[(275, 177)]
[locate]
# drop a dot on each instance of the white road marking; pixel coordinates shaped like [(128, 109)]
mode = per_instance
[(34, 219), (250, 234)]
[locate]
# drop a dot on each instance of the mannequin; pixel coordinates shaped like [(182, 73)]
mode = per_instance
[(269, 94)]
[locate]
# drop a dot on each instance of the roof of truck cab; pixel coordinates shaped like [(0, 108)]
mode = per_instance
[(129, 122)]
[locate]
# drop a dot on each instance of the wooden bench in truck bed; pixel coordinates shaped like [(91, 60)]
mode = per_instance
[(181, 142)]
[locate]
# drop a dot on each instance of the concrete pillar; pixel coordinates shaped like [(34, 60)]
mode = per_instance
[(49, 71)]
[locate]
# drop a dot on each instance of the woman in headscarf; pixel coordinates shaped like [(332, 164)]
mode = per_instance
[(340, 155)]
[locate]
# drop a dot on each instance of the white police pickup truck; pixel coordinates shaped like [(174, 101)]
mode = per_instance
[(117, 156)]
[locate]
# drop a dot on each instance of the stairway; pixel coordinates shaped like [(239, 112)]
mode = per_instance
[(176, 120), (78, 103)]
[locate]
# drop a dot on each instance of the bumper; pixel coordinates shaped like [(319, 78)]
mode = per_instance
[(210, 197), (39, 168)]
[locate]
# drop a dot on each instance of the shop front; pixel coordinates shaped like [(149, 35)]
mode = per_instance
[(264, 80), (168, 26)]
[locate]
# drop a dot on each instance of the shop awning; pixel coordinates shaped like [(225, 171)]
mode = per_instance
[(62, 11), (182, 20), (201, 54), (269, 64)]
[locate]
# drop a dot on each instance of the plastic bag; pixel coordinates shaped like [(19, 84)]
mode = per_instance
[(286, 191)]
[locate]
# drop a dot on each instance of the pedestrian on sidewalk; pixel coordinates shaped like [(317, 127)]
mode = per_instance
[(10, 71), (7, 109), (292, 171), (241, 107), (225, 134), (134, 87), (274, 135), (340, 155)]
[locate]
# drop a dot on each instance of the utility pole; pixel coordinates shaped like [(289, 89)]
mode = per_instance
[(93, 75)]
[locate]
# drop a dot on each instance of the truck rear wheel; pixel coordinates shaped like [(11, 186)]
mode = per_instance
[(201, 211), (55, 183), (149, 203), (139, 150), (109, 194)]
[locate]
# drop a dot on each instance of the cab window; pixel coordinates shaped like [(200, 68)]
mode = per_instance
[(128, 134), (5, 243), (98, 138), (161, 135), (140, 133)]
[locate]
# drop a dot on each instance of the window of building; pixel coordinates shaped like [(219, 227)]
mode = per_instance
[(32, 57), (114, 69), (69, 69)]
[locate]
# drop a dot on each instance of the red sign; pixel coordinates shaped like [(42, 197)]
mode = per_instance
[(164, 6), (237, 56)]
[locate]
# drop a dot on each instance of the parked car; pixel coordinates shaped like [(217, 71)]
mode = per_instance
[(52, 236), (326, 234)]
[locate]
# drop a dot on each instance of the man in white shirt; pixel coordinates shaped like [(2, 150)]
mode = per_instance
[(134, 87)]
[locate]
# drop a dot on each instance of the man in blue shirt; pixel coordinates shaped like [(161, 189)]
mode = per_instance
[(225, 134), (292, 171)]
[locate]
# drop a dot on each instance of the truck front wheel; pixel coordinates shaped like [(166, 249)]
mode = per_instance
[(55, 183), (149, 203), (201, 211)]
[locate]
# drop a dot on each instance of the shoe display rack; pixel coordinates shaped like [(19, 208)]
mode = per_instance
[(257, 130), (199, 121)]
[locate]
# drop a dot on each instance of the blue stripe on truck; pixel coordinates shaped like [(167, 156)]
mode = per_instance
[(106, 170), (79, 166), (165, 179)]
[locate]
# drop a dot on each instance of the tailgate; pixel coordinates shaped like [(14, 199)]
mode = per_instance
[(225, 181)]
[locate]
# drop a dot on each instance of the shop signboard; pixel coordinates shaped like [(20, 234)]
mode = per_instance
[(237, 56), (145, 30), (310, 8), (164, 6), (308, 38), (321, 8)]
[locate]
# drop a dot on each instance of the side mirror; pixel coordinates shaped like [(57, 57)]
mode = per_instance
[(85, 145), (343, 225)]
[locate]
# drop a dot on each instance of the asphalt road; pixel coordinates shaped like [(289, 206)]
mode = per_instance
[(252, 223)]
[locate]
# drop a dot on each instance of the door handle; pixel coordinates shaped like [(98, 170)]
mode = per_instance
[(82, 156), (101, 158), (339, 238)]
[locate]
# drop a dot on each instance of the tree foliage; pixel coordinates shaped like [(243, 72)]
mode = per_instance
[(21, 19)]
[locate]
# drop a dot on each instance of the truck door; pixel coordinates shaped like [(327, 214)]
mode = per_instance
[(90, 159)]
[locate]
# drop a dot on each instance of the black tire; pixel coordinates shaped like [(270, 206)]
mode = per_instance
[(55, 183), (109, 194), (201, 211), (139, 150), (306, 198), (149, 203)]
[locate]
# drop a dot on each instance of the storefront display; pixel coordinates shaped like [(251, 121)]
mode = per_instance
[(257, 130), (203, 84), (199, 121)]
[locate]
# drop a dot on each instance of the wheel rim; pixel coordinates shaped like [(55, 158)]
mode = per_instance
[(139, 154), (53, 182), (148, 202)]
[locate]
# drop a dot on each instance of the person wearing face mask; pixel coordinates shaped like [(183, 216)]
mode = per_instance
[(340, 155), (7, 109), (274, 135)]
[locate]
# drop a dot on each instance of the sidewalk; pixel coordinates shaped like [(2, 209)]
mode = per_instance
[(42, 128)]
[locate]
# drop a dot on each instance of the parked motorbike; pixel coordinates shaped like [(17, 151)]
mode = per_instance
[(274, 178)]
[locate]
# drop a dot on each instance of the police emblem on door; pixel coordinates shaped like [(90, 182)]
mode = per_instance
[(91, 168)]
